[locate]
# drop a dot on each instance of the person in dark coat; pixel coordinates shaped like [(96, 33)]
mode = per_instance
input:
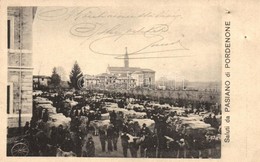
[(144, 132), (90, 148), (67, 144), (53, 136), (182, 148), (45, 116), (133, 148), (110, 133), (151, 143), (78, 144), (99, 115), (125, 127), (41, 140), (60, 135), (195, 147), (26, 127), (162, 146), (204, 148), (124, 141), (90, 129), (113, 117), (32, 140), (214, 122), (115, 137), (189, 140), (102, 138), (91, 116), (173, 149)]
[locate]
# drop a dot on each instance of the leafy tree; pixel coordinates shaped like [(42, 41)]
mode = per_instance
[(55, 78), (75, 74)]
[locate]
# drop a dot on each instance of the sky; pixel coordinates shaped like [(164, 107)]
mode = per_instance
[(176, 41)]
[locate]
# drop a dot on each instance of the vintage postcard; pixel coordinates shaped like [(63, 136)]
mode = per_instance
[(128, 80)]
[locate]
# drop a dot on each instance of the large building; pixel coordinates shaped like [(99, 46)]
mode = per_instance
[(20, 71), (108, 81), (142, 77), (41, 82), (121, 77)]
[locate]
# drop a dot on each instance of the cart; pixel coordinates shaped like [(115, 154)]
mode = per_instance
[(20, 146)]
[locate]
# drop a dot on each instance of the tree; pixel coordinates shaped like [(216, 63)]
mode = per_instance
[(75, 74), (55, 78), (60, 70)]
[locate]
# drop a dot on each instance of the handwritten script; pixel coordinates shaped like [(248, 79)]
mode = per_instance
[(92, 25)]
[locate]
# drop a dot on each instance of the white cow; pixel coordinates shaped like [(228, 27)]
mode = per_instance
[(100, 124), (61, 153)]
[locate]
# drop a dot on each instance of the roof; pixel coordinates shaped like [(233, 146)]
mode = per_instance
[(130, 69), (147, 70), (41, 76), (123, 68), (104, 75), (138, 72)]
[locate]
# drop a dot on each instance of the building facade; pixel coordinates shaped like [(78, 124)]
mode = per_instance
[(125, 77), (143, 77), (20, 71), (41, 82)]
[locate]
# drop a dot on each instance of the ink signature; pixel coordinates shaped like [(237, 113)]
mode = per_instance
[(152, 37), (79, 13)]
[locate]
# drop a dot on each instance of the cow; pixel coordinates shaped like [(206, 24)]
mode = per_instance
[(60, 153), (99, 124)]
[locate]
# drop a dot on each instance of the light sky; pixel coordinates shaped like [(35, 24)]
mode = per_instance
[(63, 35)]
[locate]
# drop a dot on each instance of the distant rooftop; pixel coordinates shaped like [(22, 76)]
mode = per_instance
[(130, 69), (113, 68), (41, 76)]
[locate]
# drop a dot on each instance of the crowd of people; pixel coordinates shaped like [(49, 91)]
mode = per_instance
[(162, 141)]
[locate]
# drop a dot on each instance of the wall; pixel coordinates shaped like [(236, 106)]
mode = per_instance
[(148, 75), (20, 63)]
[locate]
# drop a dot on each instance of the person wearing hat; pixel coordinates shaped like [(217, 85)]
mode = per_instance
[(110, 133), (124, 142), (182, 148), (60, 134), (151, 145), (145, 132), (26, 127), (102, 138), (90, 147), (113, 117), (115, 137)]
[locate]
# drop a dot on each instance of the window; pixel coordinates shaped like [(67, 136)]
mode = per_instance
[(8, 34), (8, 99)]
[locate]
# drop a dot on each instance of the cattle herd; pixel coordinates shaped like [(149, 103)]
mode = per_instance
[(74, 123)]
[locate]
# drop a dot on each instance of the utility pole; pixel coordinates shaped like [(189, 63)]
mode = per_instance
[(20, 64)]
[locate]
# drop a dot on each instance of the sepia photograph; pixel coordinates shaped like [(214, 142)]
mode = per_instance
[(115, 81)]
